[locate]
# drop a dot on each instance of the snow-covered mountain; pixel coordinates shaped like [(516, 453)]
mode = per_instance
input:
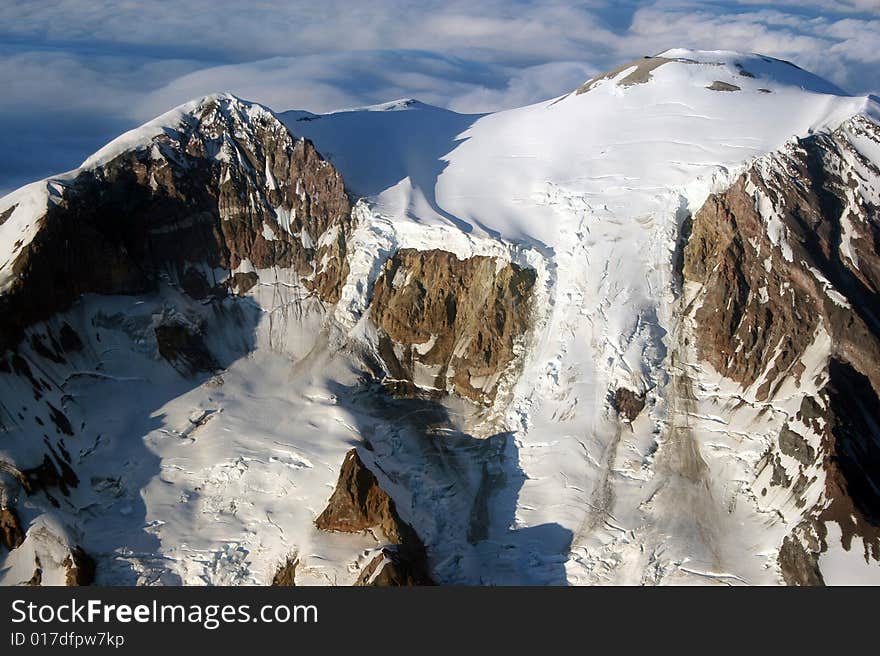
[(629, 335)]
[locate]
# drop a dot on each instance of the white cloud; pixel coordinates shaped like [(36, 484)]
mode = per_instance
[(326, 82), (844, 50), (75, 72), (323, 83), (256, 30), (525, 86)]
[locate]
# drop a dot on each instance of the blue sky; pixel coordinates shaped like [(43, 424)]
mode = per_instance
[(75, 73)]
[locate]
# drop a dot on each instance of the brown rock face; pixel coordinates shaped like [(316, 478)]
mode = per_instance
[(794, 445), (641, 72), (6, 214), (393, 568), (761, 303), (358, 503), (738, 334), (285, 575), (799, 566), (718, 85), (36, 580), (242, 283), (450, 324), (768, 279), (231, 183), (628, 404), (852, 443), (37, 577), (11, 534), (80, 568)]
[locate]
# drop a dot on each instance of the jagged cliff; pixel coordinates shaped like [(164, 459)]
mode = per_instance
[(451, 324), (784, 269), (203, 204), (213, 209)]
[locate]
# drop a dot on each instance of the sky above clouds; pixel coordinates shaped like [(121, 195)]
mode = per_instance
[(75, 73)]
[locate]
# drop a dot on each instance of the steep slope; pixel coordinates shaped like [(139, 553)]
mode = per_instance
[(628, 335), (782, 270), (593, 189)]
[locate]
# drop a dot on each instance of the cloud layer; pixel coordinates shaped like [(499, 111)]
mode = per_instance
[(77, 72)]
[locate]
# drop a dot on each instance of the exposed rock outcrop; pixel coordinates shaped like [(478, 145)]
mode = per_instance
[(183, 347), (719, 85), (781, 296), (448, 324), (791, 244), (851, 442), (285, 575), (394, 567), (52, 472), (80, 568), (628, 404), (11, 533), (37, 577), (798, 565), (787, 260), (358, 503), (638, 71), (793, 444)]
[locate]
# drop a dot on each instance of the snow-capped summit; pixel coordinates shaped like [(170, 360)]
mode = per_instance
[(722, 70), (656, 123), (626, 335)]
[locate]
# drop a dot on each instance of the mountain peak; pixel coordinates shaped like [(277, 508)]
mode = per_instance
[(717, 70), (231, 107)]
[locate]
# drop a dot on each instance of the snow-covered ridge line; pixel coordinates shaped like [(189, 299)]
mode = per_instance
[(178, 117), (134, 139)]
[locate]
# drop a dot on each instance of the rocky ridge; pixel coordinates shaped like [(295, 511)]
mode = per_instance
[(782, 267)]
